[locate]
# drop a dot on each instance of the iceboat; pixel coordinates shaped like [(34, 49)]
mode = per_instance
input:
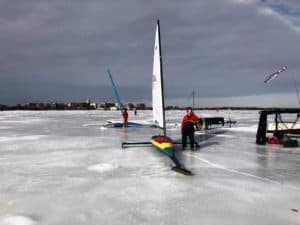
[(161, 142), (119, 123)]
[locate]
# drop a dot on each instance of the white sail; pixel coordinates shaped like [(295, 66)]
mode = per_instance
[(157, 91)]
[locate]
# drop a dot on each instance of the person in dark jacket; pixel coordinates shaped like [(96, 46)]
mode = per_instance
[(188, 123)]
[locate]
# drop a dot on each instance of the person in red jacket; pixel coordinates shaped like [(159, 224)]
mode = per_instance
[(188, 123), (125, 118)]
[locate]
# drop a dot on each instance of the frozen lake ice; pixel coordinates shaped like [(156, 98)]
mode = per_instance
[(62, 168)]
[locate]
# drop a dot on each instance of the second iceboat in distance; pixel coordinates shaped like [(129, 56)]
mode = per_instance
[(162, 143), (118, 123)]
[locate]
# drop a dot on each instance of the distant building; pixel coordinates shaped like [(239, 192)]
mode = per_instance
[(173, 107), (118, 106), (78, 105), (140, 106), (39, 106), (105, 105), (129, 106), (57, 106), (94, 105), (29, 106), (114, 108)]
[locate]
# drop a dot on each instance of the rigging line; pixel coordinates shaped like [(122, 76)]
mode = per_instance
[(240, 172), (231, 170)]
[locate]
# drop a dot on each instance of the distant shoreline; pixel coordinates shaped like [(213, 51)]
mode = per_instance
[(113, 107)]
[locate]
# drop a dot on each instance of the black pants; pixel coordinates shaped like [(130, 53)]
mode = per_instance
[(191, 138)]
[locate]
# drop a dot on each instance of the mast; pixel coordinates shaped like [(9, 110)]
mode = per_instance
[(115, 90), (162, 81)]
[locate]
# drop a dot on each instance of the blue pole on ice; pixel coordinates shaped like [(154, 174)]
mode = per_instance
[(115, 90)]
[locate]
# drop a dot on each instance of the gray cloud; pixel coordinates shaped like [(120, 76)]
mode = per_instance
[(61, 49)]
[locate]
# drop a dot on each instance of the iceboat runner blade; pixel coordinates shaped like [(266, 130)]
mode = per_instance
[(182, 170), (179, 168)]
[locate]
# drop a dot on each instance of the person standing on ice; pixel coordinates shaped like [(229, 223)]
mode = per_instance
[(125, 118), (188, 123)]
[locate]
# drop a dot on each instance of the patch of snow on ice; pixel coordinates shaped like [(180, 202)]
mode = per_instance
[(225, 135), (21, 138), (19, 220), (3, 127), (90, 125), (103, 167)]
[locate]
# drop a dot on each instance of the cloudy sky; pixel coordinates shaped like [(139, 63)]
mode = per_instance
[(59, 50)]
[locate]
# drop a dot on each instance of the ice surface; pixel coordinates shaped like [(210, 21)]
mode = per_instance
[(62, 168)]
